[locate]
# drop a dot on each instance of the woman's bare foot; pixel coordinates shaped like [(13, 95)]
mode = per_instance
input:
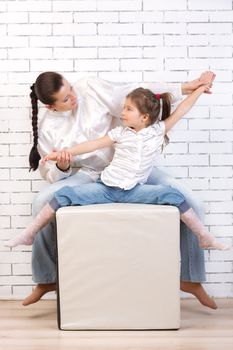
[(199, 292), (38, 292)]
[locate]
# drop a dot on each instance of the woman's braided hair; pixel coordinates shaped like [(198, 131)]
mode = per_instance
[(46, 85), (34, 155)]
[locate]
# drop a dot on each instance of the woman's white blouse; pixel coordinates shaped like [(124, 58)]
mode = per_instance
[(134, 155), (99, 106)]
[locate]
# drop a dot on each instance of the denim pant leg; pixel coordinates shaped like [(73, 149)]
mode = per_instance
[(95, 193), (156, 194), (192, 256), (43, 249)]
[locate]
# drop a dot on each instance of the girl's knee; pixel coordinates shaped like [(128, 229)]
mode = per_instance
[(179, 198), (64, 196), (66, 190)]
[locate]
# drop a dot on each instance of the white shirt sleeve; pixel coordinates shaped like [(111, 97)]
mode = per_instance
[(51, 173), (46, 143), (159, 88), (115, 133), (112, 94)]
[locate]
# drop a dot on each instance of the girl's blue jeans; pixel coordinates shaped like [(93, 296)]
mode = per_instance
[(44, 252), (99, 193)]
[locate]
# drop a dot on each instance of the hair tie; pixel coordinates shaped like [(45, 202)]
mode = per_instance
[(32, 87), (157, 96), (33, 92)]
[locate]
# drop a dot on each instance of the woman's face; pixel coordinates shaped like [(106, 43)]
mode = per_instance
[(65, 98)]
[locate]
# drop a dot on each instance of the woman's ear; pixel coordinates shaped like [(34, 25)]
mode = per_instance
[(50, 107)]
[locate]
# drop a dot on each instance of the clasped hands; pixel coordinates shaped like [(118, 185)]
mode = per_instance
[(206, 79), (63, 159)]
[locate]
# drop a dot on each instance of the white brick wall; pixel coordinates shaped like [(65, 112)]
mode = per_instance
[(131, 40)]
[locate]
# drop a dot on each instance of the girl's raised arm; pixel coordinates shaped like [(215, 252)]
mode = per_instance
[(184, 107)]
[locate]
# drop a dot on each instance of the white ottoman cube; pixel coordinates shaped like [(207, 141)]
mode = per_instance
[(118, 267)]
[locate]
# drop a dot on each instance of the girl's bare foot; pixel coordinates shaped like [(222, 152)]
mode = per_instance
[(21, 239), (209, 242), (199, 292)]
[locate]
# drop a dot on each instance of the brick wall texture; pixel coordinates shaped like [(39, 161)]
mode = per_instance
[(131, 40)]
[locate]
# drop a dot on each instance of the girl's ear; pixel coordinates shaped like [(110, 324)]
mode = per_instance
[(146, 118)]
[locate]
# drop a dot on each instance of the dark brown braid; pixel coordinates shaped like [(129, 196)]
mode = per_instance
[(34, 155), (46, 85), (148, 103)]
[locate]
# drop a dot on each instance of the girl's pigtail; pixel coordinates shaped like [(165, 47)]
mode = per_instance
[(166, 105), (166, 112)]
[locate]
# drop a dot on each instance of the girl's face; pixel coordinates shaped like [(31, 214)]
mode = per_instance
[(65, 98), (131, 116)]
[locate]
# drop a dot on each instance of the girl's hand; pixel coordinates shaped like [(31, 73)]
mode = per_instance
[(185, 106), (50, 156), (205, 88)]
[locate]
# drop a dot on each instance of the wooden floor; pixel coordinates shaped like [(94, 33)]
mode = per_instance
[(35, 328)]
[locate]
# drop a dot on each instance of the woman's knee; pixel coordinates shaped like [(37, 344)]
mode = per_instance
[(158, 177), (41, 198)]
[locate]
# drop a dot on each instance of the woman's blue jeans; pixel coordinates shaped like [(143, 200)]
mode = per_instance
[(44, 252)]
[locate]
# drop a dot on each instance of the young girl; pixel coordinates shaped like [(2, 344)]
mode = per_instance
[(136, 143)]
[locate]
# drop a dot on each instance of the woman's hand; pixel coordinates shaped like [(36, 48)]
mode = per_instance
[(205, 78), (63, 159)]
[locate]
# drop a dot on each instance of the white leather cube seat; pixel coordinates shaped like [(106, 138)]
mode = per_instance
[(118, 267)]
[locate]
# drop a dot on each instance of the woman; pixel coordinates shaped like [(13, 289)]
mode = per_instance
[(86, 111)]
